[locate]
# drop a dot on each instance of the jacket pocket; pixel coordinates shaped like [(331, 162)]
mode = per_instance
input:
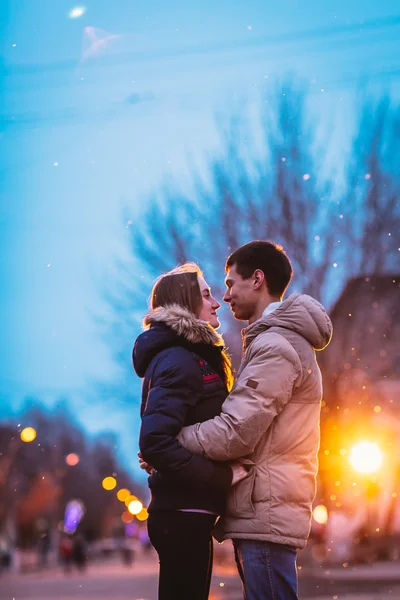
[(240, 502)]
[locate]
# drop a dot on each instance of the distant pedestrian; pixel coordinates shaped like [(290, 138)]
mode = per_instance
[(79, 552), (44, 547), (65, 552)]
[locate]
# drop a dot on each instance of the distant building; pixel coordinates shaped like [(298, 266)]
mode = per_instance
[(361, 373), (365, 349)]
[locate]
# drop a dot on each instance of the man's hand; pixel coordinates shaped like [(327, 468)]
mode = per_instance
[(239, 472), (144, 465)]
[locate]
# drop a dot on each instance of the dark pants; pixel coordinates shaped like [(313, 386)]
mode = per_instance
[(268, 571), (184, 545)]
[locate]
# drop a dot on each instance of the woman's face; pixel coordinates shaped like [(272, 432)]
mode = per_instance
[(210, 305)]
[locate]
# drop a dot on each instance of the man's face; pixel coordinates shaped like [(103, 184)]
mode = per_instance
[(240, 294)]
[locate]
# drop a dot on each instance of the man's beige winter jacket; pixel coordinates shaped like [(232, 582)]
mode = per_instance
[(271, 421)]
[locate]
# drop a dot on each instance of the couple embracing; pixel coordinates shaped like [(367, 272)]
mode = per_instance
[(231, 460)]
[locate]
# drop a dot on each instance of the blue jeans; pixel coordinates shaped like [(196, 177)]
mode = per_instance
[(268, 571)]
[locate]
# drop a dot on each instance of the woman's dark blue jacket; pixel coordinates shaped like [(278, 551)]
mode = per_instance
[(180, 360)]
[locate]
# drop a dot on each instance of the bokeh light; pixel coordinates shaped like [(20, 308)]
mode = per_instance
[(123, 494), (109, 483), (74, 512), (143, 515), (72, 459), (320, 514), (28, 434), (127, 517), (129, 499), (366, 457), (77, 12), (135, 507)]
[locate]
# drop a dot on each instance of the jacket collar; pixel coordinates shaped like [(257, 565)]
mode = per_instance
[(299, 313), (271, 307), (184, 324)]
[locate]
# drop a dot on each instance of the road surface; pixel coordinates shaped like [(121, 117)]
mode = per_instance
[(113, 581)]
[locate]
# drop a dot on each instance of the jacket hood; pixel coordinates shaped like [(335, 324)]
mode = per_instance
[(299, 313), (168, 326)]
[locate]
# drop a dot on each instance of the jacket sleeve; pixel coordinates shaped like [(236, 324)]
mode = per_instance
[(262, 390), (174, 389)]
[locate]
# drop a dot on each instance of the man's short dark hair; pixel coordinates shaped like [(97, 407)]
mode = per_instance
[(269, 258)]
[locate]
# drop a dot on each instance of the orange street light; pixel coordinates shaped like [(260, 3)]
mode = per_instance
[(129, 499), (28, 434), (143, 515), (109, 483), (123, 494)]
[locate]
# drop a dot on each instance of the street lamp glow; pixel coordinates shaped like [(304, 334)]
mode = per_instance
[(143, 515), (109, 483), (28, 434), (320, 514), (72, 459), (366, 457), (129, 499), (135, 507), (76, 12), (127, 517), (123, 494)]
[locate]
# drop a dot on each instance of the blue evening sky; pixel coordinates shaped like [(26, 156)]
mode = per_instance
[(97, 110)]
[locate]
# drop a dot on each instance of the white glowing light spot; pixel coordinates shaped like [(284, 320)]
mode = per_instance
[(249, 27), (77, 12), (55, 164), (335, 265), (366, 457), (317, 238), (368, 176), (135, 507), (49, 265), (320, 514), (306, 177)]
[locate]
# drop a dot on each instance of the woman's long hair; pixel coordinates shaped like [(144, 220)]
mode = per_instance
[(181, 286)]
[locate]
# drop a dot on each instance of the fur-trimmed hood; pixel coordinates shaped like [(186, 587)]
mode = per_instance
[(184, 323), (169, 326)]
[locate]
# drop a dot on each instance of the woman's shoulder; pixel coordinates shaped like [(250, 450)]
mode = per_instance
[(177, 359)]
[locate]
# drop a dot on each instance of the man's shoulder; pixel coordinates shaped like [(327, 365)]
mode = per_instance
[(270, 338), (270, 343)]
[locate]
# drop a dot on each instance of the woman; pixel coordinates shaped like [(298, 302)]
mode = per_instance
[(186, 378)]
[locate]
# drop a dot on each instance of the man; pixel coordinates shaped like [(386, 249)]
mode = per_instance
[(270, 421)]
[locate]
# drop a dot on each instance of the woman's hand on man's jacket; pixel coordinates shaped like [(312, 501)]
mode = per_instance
[(144, 465), (238, 470)]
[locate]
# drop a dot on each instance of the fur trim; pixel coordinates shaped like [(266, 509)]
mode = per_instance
[(184, 323)]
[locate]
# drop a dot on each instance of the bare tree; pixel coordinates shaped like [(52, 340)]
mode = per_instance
[(269, 181), (373, 190)]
